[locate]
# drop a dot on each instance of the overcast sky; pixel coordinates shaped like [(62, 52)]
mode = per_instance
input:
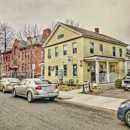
[(112, 17)]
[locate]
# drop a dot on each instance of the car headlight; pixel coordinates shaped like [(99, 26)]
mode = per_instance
[(122, 105)]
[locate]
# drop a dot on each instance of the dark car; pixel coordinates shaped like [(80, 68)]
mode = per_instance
[(123, 113)]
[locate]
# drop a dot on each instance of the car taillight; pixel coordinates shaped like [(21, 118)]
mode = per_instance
[(56, 87), (9, 84), (38, 88)]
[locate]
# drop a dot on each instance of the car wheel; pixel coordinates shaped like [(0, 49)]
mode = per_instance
[(127, 118), (14, 93), (52, 98), (3, 89), (126, 89), (29, 96)]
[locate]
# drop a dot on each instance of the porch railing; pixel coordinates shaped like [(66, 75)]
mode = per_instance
[(103, 77), (113, 77)]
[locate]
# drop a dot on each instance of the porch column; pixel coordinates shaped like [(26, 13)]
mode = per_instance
[(97, 71), (108, 80)]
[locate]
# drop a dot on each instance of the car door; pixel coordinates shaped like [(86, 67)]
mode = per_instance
[(25, 87), (19, 87), (2, 83)]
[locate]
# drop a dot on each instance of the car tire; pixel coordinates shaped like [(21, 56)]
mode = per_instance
[(3, 89), (29, 96), (52, 98), (14, 93), (127, 118), (126, 89)]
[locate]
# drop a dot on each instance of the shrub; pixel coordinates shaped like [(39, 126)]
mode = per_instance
[(118, 83)]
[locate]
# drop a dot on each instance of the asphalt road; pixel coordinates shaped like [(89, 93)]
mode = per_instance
[(18, 114)]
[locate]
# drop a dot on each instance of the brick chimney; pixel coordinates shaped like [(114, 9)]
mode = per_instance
[(47, 32), (96, 30)]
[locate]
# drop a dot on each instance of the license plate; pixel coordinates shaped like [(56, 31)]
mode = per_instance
[(50, 93)]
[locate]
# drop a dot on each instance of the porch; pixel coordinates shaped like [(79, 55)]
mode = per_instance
[(103, 70)]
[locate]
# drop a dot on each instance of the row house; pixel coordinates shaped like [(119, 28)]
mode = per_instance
[(79, 54), (25, 54)]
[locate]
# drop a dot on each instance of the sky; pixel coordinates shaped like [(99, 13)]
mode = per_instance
[(112, 17)]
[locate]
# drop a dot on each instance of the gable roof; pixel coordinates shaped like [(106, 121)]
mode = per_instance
[(88, 34)]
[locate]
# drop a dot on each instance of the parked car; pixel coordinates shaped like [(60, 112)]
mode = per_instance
[(126, 82), (6, 84), (123, 113), (35, 89)]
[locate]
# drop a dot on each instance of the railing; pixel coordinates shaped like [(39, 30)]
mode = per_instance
[(113, 77), (103, 78)]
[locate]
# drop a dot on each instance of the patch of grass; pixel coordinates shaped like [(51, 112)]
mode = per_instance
[(68, 88)]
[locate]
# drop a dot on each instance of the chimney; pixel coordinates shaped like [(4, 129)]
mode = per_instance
[(96, 30), (28, 38), (47, 32)]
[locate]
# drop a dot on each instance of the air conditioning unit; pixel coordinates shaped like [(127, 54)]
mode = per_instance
[(69, 58)]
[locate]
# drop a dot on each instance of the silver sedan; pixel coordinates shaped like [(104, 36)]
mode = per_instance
[(35, 89), (6, 84)]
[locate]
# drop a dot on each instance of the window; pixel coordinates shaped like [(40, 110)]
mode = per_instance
[(49, 53), (42, 54), (101, 49), (65, 70), (56, 51), (74, 46), (114, 51), (15, 51), (64, 49), (91, 47), (56, 70), (74, 69), (120, 52), (49, 70), (60, 36)]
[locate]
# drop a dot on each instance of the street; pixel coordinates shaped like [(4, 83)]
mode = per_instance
[(18, 114)]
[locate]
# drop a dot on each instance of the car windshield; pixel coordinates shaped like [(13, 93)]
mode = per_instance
[(13, 80), (47, 81), (38, 82)]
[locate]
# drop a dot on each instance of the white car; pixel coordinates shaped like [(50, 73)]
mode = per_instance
[(35, 89)]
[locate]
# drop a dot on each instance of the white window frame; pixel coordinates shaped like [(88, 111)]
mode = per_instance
[(65, 71), (120, 52), (56, 70), (42, 54), (75, 69), (74, 47), (64, 50), (56, 51), (91, 47), (49, 70), (101, 49), (114, 51)]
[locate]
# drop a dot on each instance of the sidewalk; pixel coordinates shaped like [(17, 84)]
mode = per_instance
[(76, 96)]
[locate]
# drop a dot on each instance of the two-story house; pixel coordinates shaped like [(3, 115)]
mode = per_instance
[(79, 54)]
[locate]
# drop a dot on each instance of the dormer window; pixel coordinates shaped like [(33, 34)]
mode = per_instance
[(60, 36)]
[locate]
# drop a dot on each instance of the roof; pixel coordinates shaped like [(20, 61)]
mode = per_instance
[(95, 35), (38, 40)]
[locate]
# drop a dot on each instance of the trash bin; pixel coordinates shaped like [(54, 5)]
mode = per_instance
[(86, 87)]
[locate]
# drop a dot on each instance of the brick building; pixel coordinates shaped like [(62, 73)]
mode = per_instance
[(23, 54)]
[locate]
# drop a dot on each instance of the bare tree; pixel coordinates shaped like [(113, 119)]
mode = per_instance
[(7, 35), (72, 22), (30, 35)]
